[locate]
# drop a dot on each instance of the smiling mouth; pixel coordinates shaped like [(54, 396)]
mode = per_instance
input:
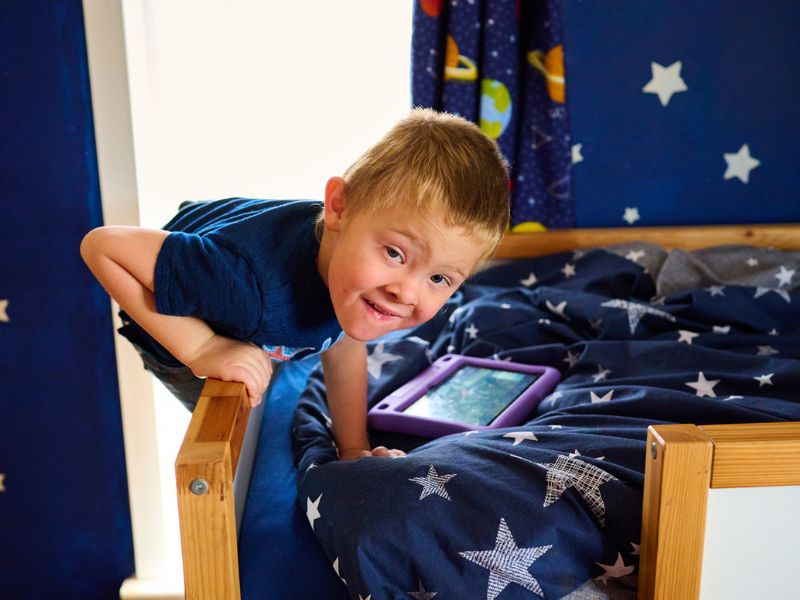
[(381, 311)]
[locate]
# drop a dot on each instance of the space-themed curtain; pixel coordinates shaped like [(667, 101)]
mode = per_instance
[(500, 64)]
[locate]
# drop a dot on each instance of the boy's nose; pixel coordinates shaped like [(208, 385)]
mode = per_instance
[(404, 291)]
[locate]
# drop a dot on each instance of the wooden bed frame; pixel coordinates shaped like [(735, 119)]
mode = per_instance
[(684, 460)]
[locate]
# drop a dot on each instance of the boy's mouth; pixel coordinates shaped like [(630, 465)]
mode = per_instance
[(380, 310)]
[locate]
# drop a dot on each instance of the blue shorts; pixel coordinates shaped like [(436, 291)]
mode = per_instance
[(179, 380)]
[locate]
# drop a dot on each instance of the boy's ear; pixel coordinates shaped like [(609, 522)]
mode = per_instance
[(334, 203)]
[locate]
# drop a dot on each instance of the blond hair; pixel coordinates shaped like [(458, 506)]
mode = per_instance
[(434, 161)]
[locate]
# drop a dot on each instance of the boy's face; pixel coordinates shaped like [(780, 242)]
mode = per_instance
[(395, 270)]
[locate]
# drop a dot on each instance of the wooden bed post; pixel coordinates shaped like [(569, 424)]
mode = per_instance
[(677, 478), (204, 472)]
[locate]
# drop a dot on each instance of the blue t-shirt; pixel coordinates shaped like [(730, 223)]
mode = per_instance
[(248, 269)]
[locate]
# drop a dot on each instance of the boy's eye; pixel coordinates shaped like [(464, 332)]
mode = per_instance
[(393, 254), (440, 280)]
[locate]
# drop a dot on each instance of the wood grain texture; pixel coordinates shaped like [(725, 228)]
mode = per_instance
[(210, 452), (755, 454), (674, 512), (519, 245)]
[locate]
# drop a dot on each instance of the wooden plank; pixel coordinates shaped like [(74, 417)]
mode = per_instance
[(519, 245), (677, 476), (209, 454), (755, 454)]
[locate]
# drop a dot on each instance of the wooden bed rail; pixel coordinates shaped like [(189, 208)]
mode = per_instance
[(204, 472), (683, 463), (520, 245)]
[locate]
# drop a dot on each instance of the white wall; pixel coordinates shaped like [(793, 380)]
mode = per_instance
[(227, 98)]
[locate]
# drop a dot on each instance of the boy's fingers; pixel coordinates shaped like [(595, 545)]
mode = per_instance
[(380, 451)]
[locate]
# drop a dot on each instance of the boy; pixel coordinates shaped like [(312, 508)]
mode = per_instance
[(228, 285)]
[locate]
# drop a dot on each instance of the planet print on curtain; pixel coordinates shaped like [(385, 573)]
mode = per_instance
[(500, 64)]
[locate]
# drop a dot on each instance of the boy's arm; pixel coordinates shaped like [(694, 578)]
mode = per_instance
[(345, 371), (123, 259)]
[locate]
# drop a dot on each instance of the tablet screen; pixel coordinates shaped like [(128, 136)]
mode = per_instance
[(474, 395)]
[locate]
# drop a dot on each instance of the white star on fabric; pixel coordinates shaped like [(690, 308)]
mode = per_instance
[(722, 329), (635, 551), (784, 276), (617, 570), (521, 436), (666, 81), (4, 311), (637, 311), (716, 290), (761, 291), (433, 483), (336, 570), (421, 594), (312, 510), (507, 563), (773, 331), (764, 380), (544, 321), (571, 359), (557, 308), (377, 358), (605, 398), (766, 351), (740, 164), (596, 324), (703, 386), (686, 336), (631, 215), (569, 472), (578, 254), (601, 374), (576, 153), (752, 262), (635, 255), (450, 348), (367, 598), (505, 305), (568, 270), (472, 331), (574, 454), (529, 280)]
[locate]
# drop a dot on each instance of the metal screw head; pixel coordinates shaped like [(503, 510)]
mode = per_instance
[(653, 450), (199, 487)]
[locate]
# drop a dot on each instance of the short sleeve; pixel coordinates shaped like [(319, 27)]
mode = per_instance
[(196, 276)]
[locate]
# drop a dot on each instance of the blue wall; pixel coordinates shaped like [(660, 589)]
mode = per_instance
[(64, 517), (739, 62)]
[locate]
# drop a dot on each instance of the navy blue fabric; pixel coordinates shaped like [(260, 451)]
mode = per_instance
[(279, 557), (65, 527), (669, 161), (247, 268), (569, 482), (499, 63)]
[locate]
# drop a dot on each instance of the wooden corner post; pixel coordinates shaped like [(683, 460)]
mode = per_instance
[(677, 477), (204, 472)]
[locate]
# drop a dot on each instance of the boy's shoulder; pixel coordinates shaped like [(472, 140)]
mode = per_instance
[(206, 216)]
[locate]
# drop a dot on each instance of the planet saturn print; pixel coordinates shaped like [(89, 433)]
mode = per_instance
[(456, 66), (551, 65)]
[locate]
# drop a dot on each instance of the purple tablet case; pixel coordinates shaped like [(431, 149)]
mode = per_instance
[(389, 414)]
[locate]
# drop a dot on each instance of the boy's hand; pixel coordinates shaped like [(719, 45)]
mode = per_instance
[(356, 453), (231, 360)]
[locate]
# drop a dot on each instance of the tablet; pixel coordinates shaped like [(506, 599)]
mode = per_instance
[(461, 393)]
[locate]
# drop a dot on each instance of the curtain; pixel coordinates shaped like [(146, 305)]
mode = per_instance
[(500, 64)]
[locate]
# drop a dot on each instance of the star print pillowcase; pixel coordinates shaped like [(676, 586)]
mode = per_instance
[(550, 508)]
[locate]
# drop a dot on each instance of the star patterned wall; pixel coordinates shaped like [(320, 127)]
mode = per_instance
[(645, 114), (683, 112)]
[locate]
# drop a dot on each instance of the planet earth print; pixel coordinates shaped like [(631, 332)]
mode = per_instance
[(495, 108)]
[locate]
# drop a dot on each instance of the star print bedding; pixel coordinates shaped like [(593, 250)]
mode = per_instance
[(552, 508)]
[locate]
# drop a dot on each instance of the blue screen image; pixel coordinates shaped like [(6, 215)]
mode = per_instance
[(473, 395)]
